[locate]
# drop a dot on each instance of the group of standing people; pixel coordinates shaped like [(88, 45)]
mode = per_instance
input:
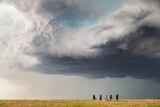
[(100, 97)]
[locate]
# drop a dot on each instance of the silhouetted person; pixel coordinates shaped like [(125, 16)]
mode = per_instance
[(117, 97), (100, 97), (94, 97), (110, 97), (106, 97)]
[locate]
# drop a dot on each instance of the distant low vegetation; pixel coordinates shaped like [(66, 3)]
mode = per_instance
[(79, 103)]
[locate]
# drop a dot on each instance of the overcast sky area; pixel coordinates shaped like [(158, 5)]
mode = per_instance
[(72, 49)]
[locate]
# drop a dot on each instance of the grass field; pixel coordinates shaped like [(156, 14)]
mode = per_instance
[(79, 103)]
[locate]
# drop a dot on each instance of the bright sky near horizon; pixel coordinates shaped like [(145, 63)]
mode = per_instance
[(72, 49)]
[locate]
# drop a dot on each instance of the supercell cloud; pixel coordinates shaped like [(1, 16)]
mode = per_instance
[(91, 38)]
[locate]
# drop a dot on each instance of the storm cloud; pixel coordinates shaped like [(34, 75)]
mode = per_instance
[(86, 38)]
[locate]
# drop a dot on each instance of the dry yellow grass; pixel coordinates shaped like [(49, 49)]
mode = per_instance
[(79, 103)]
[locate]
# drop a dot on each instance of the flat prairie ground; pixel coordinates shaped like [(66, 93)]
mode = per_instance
[(79, 103)]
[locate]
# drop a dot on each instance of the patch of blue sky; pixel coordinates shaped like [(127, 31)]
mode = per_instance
[(99, 9), (72, 22)]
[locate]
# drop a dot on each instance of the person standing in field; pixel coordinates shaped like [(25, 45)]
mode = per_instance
[(94, 97), (117, 97), (110, 97), (100, 97)]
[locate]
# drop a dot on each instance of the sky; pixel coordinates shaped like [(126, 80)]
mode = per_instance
[(72, 49)]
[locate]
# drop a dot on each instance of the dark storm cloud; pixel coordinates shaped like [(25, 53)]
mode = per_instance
[(123, 43), (135, 54), (118, 63)]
